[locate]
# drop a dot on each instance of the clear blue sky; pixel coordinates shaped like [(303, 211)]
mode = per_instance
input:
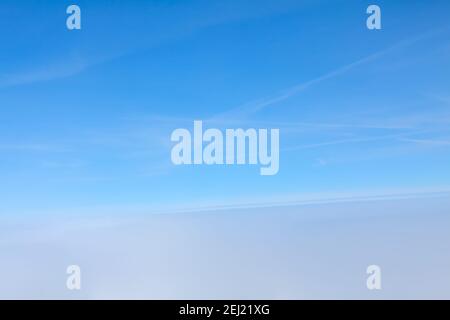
[(86, 115)]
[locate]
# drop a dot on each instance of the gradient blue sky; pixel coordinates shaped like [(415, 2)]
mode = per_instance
[(87, 115)]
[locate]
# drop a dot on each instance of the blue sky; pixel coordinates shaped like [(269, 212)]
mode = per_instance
[(87, 115)]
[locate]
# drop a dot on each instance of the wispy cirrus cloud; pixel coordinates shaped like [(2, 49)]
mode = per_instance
[(31, 147), (253, 107), (45, 73), (429, 142), (193, 21), (55, 70)]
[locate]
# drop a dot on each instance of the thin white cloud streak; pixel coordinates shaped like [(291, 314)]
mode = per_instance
[(334, 142), (32, 148), (295, 199), (192, 23), (429, 142), (304, 201), (168, 122), (54, 70), (258, 105), (47, 73), (355, 140)]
